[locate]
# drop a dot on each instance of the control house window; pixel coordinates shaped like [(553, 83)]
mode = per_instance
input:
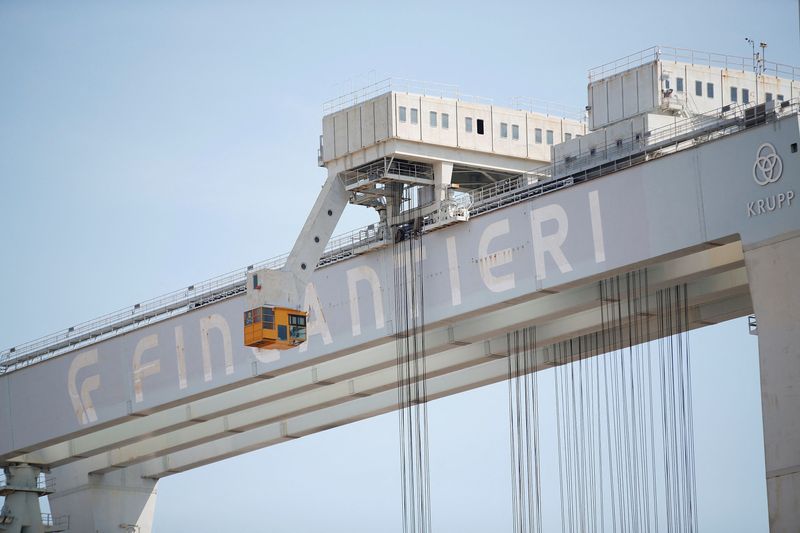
[(710, 90), (537, 135), (679, 84), (780, 98), (515, 132), (698, 88), (745, 96), (480, 126), (414, 115), (402, 113), (769, 97), (503, 130), (734, 94), (445, 121), (433, 119), (549, 136), (567, 136), (468, 124)]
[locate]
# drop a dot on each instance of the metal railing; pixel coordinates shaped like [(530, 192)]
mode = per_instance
[(48, 520), (43, 482), (165, 306), (624, 153), (399, 85), (554, 176), (693, 57), (544, 107), (379, 169)]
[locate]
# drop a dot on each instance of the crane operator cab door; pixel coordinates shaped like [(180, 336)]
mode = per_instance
[(277, 328)]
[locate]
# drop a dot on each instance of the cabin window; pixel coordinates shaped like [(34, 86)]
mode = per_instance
[(268, 318), (515, 132), (679, 84), (549, 136), (414, 115), (503, 130), (710, 90), (433, 119), (734, 94), (745, 96), (480, 126), (445, 121), (297, 326), (402, 113), (698, 88), (468, 124), (537, 135)]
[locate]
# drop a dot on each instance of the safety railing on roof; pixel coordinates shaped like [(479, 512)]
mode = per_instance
[(399, 85), (544, 107), (693, 57)]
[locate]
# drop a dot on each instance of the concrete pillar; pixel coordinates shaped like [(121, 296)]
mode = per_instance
[(442, 178), (773, 271), (117, 501), (21, 511)]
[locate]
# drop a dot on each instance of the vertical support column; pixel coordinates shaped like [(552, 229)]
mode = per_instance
[(20, 511), (773, 271), (442, 178), (120, 500)]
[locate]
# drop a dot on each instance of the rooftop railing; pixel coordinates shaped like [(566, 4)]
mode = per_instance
[(693, 57), (398, 85), (544, 107), (443, 90)]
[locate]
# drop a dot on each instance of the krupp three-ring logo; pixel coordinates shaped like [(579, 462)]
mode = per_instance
[(768, 166)]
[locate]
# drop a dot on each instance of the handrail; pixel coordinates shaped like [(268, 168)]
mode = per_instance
[(45, 483), (625, 153), (443, 90), (174, 302), (694, 57)]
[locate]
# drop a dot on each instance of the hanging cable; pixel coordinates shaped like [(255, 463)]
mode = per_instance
[(619, 405), (411, 371), (523, 399)]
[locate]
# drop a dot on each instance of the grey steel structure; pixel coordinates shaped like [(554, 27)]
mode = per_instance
[(171, 387)]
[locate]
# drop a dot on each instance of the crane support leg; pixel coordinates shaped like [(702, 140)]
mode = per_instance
[(120, 500), (286, 287), (772, 273)]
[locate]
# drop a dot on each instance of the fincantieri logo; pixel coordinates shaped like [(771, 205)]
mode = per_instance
[(768, 166)]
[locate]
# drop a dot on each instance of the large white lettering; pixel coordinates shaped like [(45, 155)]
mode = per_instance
[(487, 262), (141, 371), (597, 227), (550, 243), (82, 404), (452, 265), (364, 273), (180, 353), (219, 323), (317, 325)]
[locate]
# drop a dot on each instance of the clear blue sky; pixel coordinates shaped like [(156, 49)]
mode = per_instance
[(146, 145)]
